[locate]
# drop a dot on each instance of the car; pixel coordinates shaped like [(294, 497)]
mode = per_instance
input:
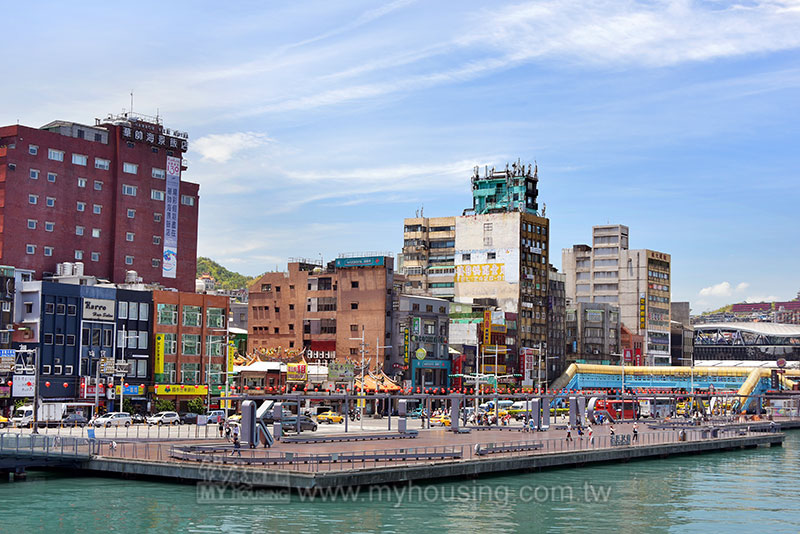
[(189, 418), (215, 416), (330, 417), (74, 419), (3, 421), (164, 418), (440, 420), (113, 419), (306, 423), (235, 418)]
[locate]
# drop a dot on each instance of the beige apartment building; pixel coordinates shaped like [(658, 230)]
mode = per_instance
[(428, 254)]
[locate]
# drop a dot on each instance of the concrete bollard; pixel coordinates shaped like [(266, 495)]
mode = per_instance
[(455, 412), (536, 408), (573, 411), (402, 411)]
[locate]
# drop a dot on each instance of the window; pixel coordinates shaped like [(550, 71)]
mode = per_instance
[(354, 328), (49, 226), (128, 260), (32, 224), (129, 236), (102, 164), (133, 311), (48, 339), (215, 317), (98, 185), (78, 254), (465, 257), (167, 314), (97, 209), (170, 343), (156, 217), (129, 190), (79, 230), (159, 173), (190, 344), (491, 255), (143, 339), (122, 310), (34, 174), (95, 256), (55, 155), (59, 339), (81, 206), (187, 200), (190, 373), (51, 202), (130, 168), (155, 262), (131, 213), (191, 316), (71, 340), (291, 307), (95, 232), (214, 345), (354, 305), (51, 177), (354, 284), (81, 182), (33, 199), (169, 371), (353, 352), (48, 251), (79, 159), (156, 239), (155, 194), (33, 150), (72, 309), (30, 249), (144, 311)]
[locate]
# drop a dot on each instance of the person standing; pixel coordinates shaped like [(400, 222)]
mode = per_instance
[(569, 433), (221, 428), (227, 432), (636, 432), (590, 431), (237, 445)]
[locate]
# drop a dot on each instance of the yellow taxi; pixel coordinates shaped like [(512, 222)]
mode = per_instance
[(330, 417), (3, 421), (440, 420), (235, 418)]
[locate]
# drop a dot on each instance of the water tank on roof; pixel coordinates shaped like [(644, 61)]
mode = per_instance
[(66, 269), (77, 268), (130, 277)]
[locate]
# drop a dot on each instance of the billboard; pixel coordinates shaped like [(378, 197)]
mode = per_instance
[(169, 263), (297, 372), (98, 310), (23, 385), (367, 261), (481, 272), (158, 356), (341, 372), (180, 389)]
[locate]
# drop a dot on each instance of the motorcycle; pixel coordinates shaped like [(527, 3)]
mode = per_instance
[(355, 415)]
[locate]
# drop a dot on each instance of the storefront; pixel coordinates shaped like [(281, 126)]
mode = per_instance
[(180, 394)]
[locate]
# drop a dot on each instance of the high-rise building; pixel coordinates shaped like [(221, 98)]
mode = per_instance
[(107, 196), (428, 254), (638, 281)]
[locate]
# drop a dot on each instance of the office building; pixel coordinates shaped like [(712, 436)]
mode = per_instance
[(428, 256)]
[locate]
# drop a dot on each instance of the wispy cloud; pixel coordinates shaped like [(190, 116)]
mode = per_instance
[(222, 147)]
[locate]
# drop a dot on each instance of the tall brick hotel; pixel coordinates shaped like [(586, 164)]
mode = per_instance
[(108, 197)]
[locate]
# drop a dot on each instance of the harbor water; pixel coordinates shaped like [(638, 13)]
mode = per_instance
[(751, 490)]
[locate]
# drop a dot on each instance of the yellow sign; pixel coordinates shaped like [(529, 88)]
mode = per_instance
[(296, 372), (487, 327), (231, 356), (158, 358), (481, 272), (180, 389)]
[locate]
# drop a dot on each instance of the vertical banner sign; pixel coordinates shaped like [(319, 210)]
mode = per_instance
[(231, 356), (169, 265), (405, 345), (487, 327), (642, 313), (158, 364)]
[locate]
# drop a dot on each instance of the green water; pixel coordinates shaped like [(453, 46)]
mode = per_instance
[(744, 491)]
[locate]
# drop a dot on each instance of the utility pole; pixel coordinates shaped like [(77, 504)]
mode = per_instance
[(363, 349)]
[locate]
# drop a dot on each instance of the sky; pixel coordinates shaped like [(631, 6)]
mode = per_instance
[(316, 127)]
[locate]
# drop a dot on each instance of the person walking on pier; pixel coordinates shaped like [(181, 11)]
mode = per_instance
[(569, 433), (590, 431), (636, 432), (237, 446), (611, 429), (221, 428), (227, 432)]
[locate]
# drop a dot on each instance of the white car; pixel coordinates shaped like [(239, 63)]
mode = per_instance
[(164, 418), (113, 419), (215, 416)]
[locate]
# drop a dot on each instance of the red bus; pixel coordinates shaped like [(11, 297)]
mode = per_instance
[(612, 409)]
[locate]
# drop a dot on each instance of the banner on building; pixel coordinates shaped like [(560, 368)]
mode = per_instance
[(481, 272), (642, 312), (169, 263), (628, 355), (231, 357), (487, 327), (23, 385), (415, 325), (405, 345), (341, 372), (158, 355), (180, 389), (297, 372)]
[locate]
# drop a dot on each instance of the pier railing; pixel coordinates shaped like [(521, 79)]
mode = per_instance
[(37, 449)]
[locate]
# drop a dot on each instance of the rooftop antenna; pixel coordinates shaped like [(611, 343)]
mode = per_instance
[(131, 101), (422, 211)]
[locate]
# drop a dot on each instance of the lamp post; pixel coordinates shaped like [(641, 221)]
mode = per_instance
[(362, 349)]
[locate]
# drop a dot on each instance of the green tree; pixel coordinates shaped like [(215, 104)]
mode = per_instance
[(127, 405), (197, 406), (164, 405), (225, 279)]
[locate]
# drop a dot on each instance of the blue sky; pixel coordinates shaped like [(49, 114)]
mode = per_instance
[(316, 127)]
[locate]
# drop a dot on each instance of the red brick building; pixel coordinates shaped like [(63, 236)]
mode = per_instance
[(99, 195)]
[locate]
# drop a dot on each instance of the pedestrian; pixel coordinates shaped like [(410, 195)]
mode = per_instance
[(227, 432), (237, 445), (611, 429), (221, 428), (569, 433), (636, 432), (591, 435), (580, 432), (236, 432), (531, 425)]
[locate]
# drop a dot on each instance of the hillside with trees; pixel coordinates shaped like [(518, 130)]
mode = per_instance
[(225, 279)]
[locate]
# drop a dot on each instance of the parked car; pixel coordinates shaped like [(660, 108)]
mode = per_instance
[(74, 419), (215, 416), (289, 424), (330, 417), (3, 421), (189, 418), (440, 420), (164, 418), (113, 419)]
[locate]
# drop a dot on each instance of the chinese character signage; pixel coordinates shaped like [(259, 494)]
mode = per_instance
[(296, 372), (169, 264), (180, 389), (158, 361), (405, 345), (341, 372), (481, 272)]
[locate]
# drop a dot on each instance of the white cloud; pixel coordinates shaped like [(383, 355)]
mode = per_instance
[(723, 289), (770, 298), (221, 147), (742, 287)]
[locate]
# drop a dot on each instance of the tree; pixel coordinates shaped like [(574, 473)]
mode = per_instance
[(164, 405), (127, 405), (197, 406)]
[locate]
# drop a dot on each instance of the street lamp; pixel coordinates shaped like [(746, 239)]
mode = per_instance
[(363, 349)]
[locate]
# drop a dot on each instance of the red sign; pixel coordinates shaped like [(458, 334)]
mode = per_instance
[(88, 391), (628, 355), (638, 354)]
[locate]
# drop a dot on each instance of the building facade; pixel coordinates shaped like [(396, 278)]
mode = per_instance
[(109, 196), (419, 343), (556, 325), (637, 281), (593, 333), (428, 256), (324, 312)]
